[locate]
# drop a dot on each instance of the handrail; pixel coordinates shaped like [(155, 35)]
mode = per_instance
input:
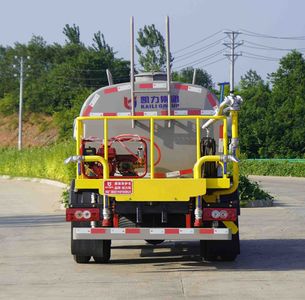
[(172, 117), (201, 161), (151, 119), (101, 160)]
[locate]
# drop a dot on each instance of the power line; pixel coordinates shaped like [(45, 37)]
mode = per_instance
[(198, 42), (196, 51), (202, 59), (262, 56), (258, 58), (266, 47), (212, 63), (263, 35)]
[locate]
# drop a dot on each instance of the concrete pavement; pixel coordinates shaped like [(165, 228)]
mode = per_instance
[(35, 260)]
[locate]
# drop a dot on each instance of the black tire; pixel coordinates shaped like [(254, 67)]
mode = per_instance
[(99, 249), (82, 250), (220, 250), (80, 259), (105, 252)]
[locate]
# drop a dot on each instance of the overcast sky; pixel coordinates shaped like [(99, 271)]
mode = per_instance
[(190, 21)]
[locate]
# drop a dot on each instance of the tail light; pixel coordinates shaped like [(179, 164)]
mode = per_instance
[(219, 214), (82, 214)]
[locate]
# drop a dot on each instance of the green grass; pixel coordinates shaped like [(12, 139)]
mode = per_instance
[(44, 162), (273, 168)]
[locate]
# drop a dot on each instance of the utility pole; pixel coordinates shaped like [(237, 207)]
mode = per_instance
[(21, 61), (232, 44)]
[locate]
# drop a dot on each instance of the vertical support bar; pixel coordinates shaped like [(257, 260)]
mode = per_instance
[(132, 68), (168, 70), (194, 76), (106, 139), (198, 138), (234, 115), (79, 133), (235, 150), (109, 77), (152, 148), (225, 137)]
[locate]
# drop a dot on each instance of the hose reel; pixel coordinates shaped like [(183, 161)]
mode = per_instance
[(208, 147)]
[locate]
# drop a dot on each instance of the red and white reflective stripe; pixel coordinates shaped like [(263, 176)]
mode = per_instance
[(188, 88), (189, 112), (174, 173), (116, 89), (185, 112), (220, 144), (152, 233), (90, 106), (154, 85), (212, 100), (146, 113), (124, 113)]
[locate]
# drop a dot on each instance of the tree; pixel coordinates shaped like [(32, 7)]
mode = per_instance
[(272, 121), (58, 74), (203, 78), (254, 114), (287, 128), (72, 33), (99, 43), (153, 59), (250, 79)]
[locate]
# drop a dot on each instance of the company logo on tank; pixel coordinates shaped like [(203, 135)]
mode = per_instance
[(153, 102)]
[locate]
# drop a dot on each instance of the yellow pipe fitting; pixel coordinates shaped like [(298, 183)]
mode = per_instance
[(102, 161), (201, 161), (152, 149), (106, 139), (233, 188)]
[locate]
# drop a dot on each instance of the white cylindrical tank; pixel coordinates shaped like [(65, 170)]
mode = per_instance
[(177, 142)]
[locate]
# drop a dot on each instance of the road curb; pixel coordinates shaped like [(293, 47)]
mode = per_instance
[(39, 180)]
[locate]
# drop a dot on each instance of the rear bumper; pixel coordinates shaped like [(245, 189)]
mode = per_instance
[(151, 233)]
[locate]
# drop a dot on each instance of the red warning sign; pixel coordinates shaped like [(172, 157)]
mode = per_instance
[(119, 187)]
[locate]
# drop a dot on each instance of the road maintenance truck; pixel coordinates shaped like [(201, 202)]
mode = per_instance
[(155, 160)]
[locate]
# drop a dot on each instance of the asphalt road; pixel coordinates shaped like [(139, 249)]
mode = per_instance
[(35, 260)]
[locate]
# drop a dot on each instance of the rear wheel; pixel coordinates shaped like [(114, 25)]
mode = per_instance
[(82, 250), (220, 250), (81, 259), (105, 252), (223, 250)]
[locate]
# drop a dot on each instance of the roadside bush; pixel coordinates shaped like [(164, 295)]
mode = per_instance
[(250, 191), (46, 162), (272, 168)]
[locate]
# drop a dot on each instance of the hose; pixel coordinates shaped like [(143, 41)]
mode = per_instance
[(133, 137)]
